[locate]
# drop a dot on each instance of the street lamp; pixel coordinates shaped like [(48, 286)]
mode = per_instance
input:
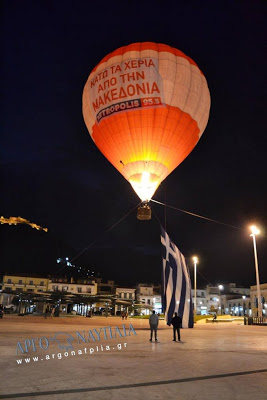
[(220, 288), (255, 231), (195, 260)]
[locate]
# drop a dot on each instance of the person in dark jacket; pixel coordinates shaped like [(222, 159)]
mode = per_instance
[(153, 322), (176, 323)]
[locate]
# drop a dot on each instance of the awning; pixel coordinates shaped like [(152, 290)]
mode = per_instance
[(123, 302)]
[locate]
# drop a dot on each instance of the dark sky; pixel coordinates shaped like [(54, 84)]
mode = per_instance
[(52, 173)]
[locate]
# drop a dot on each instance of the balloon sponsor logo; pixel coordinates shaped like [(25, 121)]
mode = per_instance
[(124, 105), (136, 82)]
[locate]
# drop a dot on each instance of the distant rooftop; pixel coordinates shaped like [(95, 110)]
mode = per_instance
[(29, 275)]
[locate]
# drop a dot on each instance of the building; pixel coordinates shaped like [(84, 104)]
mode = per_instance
[(213, 299), (218, 297), (232, 288), (148, 298), (24, 283), (69, 294), (239, 306), (202, 303), (77, 287), (105, 288), (20, 292), (254, 298), (236, 300), (125, 300)]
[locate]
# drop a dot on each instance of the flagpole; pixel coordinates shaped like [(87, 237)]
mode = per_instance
[(165, 214), (195, 259), (255, 231)]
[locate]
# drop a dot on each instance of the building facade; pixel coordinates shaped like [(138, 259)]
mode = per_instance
[(202, 303), (148, 298), (239, 307), (125, 300), (254, 298), (20, 290), (24, 283), (78, 287)]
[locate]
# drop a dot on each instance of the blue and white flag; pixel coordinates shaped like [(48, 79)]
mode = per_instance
[(176, 283)]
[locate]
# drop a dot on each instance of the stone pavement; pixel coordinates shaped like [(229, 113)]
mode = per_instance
[(213, 361)]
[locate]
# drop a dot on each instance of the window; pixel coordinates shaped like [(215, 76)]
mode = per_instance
[(30, 282), (64, 288), (79, 289), (125, 295), (30, 290), (19, 290), (7, 289), (88, 290), (202, 294), (54, 288), (9, 281), (42, 283), (20, 282), (148, 301), (130, 295)]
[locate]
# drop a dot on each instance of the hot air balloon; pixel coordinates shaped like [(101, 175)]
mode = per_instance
[(146, 106)]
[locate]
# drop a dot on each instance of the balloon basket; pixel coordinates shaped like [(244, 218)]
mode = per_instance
[(144, 212)]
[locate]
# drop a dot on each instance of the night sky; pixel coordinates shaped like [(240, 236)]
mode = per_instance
[(53, 174)]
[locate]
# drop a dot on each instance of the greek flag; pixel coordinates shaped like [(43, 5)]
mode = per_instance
[(176, 283)]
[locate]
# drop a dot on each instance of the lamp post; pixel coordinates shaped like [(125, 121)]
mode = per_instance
[(195, 260), (255, 231), (244, 305), (220, 288)]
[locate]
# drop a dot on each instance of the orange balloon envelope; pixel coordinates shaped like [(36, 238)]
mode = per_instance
[(146, 106)]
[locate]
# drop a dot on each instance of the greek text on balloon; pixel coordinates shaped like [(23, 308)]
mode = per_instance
[(141, 79)]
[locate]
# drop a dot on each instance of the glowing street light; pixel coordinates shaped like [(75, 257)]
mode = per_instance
[(195, 260), (221, 287), (255, 231)]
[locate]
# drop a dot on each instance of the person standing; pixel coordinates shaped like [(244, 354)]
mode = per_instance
[(153, 322), (46, 312), (176, 323)]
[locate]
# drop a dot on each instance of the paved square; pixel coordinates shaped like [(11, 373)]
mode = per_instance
[(214, 361)]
